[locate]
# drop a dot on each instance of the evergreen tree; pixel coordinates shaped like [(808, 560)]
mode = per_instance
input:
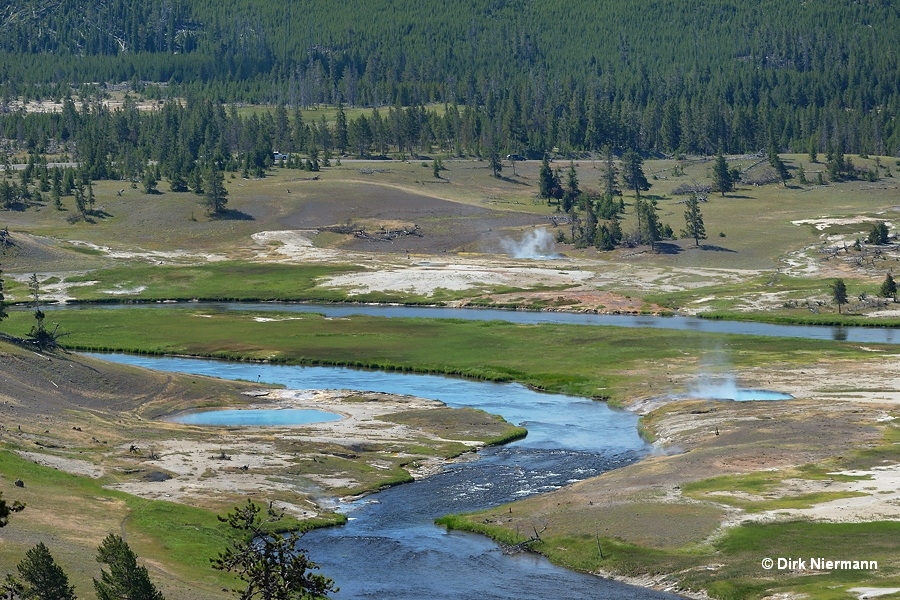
[(299, 132), (7, 509), (888, 288), (547, 181), (271, 566), (649, 228), (126, 580), (312, 161), (42, 578), (494, 161), (195, 180), (571, 193), (56, 185), (604, 239), (839, 167), (590, 222), (722, 181), (693, 220), (68, 181), (610, 177), (282, 133), (633, 173), (839, 293), (779, 166), (7, 194), (360, 134), (215, 196), (812, 150), (340, 129), (879, 233), (149, 182), (615, 230), (177, 183), (91, 199), (80, 204)]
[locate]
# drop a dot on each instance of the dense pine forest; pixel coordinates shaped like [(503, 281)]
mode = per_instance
[(672, 76)]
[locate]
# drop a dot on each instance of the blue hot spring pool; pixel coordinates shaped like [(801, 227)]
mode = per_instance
[(728, 389), (256, 417), (746, 395)]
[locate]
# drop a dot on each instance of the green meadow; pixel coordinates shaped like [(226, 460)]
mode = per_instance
[(586, 361)]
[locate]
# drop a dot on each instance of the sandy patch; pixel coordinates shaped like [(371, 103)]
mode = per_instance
[(50, 106), (880, 503), (271, 320), (872, 592), (874, 382), (69, 465), (52, 291), (125, 291), (648, 278), (663, 582), (823, 223), (293, 245), (425, 278), (198, 471), (154, 256), (240, 461)]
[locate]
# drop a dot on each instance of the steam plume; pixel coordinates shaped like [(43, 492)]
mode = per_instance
[(535, 244)]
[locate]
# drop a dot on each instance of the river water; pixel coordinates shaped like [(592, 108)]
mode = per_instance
[(390, 547), (870, 335)]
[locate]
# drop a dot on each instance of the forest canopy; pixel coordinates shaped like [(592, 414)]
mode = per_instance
[(663, 75)]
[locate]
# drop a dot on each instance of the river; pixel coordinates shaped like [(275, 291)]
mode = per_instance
[(869, 335), (390, 547)]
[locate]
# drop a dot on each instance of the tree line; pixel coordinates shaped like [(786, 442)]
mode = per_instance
[(191, 144), (569, 75)]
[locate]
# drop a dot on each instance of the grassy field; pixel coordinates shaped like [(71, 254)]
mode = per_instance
[(767, 264), (180, 537), (593, 361), (217, 281)]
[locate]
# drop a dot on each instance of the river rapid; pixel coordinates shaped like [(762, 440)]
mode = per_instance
[(390, 547)]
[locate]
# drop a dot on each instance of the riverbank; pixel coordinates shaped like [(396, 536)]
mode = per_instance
[(777, 457), (86, 438), (732, 483)]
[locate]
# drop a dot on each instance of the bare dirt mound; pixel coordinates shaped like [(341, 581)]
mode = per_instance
[(445, 226), (41, 255), (48, 385)]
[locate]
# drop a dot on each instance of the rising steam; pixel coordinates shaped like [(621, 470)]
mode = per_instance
[(535, 244)]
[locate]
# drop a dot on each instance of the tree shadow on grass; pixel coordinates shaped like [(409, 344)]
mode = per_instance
[(511, 180), (232, 215), (666, 248), (714, 248)]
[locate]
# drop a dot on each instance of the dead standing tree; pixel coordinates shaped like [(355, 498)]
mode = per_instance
[(43, 338)]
